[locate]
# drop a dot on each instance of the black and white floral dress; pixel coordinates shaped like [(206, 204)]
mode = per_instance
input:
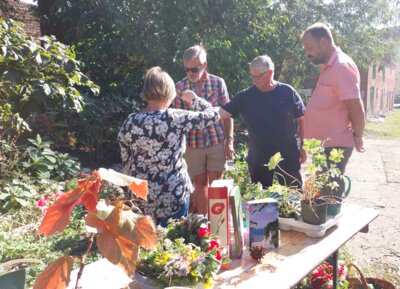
[(152, 148)]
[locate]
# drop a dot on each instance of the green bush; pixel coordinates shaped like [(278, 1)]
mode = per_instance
[(41, 161)]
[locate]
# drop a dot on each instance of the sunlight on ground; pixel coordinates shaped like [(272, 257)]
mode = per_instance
[(389, 128)]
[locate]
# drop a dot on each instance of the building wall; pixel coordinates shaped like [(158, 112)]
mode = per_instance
[(24, 13), (378, 89)]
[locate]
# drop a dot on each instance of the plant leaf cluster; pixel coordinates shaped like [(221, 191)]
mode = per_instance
[(120, 231)]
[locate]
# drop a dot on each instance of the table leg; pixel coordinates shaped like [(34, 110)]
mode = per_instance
[(335, 269)]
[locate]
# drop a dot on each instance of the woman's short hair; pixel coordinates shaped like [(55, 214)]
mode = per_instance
[(196, 51), (158, 85), (263, 62)]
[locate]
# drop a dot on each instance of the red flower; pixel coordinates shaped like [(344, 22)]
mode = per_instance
[(217, 208), (41, 203), (203, 232), (219, 257), (213, 244)]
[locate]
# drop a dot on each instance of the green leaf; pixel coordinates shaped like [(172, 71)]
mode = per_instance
[(22, 202), (51, 158), (336, 155), (12, 76), (4, 196), (46, 89), (69, 67), (274, 161), (38, 59)]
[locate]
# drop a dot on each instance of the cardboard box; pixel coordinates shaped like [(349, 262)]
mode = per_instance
[(218, 209), (262, 222), (225, 213)]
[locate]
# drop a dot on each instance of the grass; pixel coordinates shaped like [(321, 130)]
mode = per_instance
[(390, 128), (19, 243)]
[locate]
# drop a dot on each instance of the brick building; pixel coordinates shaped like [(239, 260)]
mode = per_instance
[(378, 83), (24, 13), (378, 89)]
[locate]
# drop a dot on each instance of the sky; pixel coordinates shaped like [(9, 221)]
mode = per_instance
[(29, 2)]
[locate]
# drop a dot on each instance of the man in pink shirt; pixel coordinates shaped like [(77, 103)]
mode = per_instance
[(334, 113)]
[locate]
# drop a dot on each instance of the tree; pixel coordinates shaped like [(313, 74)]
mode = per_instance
[(35, 79), (118, 40)]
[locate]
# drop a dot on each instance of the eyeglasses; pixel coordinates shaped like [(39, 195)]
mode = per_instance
[(258, 76), (192, 69)]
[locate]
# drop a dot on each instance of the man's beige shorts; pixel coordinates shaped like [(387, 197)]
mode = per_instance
[(202, 160)]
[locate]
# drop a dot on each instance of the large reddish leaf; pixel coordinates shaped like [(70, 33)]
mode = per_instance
[(144, 232), (121, 234), (138, 187), (56, 275), (57, 215), (91, 192)]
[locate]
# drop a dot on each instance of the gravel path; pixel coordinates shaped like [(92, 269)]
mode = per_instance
[(375, 176)]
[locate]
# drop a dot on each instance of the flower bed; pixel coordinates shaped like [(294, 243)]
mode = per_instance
[(186, 254), (322, 276)]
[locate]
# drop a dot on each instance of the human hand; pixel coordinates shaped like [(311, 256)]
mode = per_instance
[(359, 143), (303, 155), (188, 96), (229, 150)]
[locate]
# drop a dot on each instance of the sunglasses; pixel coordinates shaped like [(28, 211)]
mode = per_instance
[(192, 69)]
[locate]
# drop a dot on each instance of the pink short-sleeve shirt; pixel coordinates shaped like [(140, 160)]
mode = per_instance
[(327, 117)]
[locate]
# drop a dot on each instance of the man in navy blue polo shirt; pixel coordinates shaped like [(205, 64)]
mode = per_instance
[(273, 114)]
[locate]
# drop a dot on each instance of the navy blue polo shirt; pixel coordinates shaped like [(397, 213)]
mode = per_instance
[(269, 116)]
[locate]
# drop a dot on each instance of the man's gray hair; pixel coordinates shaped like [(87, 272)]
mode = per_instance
[(263, 62), (196, 51)]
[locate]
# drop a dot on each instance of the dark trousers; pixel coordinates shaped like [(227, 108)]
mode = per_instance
[(258, 159), (347, 151)]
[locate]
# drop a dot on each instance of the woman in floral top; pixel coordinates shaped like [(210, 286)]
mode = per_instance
[(152, 145)]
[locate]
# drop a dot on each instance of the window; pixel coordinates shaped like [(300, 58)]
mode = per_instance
[(371, 99), (374, 71)]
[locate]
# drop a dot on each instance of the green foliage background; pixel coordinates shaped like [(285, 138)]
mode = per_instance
[(117, 40)]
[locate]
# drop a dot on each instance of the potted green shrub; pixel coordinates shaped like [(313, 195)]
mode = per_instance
[(318, 176), (285, 194)]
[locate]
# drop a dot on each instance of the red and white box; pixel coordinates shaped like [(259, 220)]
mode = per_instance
[(219, 210)]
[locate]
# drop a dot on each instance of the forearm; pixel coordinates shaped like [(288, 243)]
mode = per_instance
[(228, 125), (357, 116)]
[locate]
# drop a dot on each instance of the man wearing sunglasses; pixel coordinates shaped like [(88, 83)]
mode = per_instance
[(273, 113), (207, 149)]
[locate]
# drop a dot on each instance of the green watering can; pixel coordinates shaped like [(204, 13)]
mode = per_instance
[(348, 188)]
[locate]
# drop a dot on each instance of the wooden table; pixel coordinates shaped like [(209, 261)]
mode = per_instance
[(281, 268), (296, 256)]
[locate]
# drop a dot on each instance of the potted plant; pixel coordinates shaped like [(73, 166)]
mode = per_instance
[(286, 195), (186, 255), (318, 176), (288, 201), (119, 232)]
